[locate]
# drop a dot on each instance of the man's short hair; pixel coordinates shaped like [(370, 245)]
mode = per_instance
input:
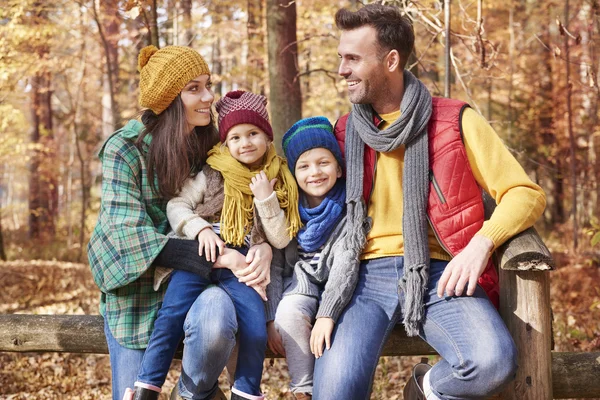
[(394, 31)]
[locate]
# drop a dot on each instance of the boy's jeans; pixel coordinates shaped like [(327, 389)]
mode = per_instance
[(479, 355), (183, 289), (210, 327)]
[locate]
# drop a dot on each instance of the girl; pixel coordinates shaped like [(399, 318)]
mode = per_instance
[(143, 165), (319, 277), (240, 195)]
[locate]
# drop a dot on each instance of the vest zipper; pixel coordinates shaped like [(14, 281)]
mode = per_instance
[(437, 236), (437, 188)]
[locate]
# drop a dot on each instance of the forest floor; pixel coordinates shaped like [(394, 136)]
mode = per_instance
[(50, 287)]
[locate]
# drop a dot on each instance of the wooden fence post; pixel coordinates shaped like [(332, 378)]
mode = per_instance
[(525, 308)]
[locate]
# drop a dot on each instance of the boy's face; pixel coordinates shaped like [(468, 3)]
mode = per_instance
[(248, 144), (316, 172)]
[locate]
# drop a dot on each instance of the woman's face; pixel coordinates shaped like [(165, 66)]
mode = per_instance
[(197, 97)]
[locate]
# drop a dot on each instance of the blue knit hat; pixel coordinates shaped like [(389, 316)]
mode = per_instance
[(307, 134)]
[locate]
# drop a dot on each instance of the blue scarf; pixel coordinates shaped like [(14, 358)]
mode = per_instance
[(320, 221)]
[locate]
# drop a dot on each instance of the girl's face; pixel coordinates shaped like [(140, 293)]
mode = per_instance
[(248, 144), (197, 97), (316, 172)]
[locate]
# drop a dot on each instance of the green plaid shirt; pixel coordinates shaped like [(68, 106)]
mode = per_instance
[(130, 233)]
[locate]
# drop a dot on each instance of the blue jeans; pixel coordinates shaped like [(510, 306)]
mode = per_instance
[(183, 289), (210, 327), (479, 355)]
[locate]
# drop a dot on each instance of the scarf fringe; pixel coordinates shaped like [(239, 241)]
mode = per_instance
[(414, 283), (238, 205), (410, 129)]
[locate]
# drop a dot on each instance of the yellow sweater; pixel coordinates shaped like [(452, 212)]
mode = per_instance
[(520, 201)]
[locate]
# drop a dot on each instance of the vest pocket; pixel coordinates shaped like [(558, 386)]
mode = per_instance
[(437, 188)]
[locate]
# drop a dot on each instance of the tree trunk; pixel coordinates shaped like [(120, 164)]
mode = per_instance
[(108, 29), (256, 47), (285, 97), (448, 43), (188, 33), (217, 66), (572, 143), (43, 190), (2, 252), (154, 38)]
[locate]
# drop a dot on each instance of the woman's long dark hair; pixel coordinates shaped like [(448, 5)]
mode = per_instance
[(175, 154)]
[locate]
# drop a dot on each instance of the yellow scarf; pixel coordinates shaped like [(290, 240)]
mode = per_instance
[(238, 206)]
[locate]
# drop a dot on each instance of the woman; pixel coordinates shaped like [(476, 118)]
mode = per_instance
[(144, 164)]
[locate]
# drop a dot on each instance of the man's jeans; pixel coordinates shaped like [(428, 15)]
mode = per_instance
[(183, 288), (210, 327), (479, 355)]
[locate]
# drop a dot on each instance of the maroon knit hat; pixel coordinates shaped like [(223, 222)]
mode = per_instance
[(240, 107)]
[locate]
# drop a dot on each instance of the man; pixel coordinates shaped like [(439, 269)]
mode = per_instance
[(416, 166)]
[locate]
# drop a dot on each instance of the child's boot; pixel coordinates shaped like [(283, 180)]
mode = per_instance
[(239, 395), (145, 394), (142, 392)]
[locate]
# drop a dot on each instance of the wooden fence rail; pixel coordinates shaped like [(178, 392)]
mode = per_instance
[(522, 262), (574, 375)]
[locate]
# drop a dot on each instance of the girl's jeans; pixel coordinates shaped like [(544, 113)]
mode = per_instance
[(210, 327), (183, 289), (479, 355)]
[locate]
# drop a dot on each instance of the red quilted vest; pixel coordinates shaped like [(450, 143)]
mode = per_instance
[(455, 206)]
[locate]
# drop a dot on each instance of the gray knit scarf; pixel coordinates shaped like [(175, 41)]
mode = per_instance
[(410, 129)]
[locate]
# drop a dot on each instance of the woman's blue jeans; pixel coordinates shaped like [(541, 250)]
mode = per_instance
[(184, 287), (210, 327), (479, 355)]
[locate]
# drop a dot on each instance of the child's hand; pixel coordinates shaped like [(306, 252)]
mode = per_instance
[(261, 289), (274, 339), (232, 260), (320, 334), (208, 242), (261, 187)]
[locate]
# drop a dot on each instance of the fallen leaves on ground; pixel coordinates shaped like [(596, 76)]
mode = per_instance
[(52, 287)]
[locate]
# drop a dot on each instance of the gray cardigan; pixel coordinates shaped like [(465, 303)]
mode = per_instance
[(335, 272)]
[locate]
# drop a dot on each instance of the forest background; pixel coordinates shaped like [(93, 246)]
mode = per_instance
[(68, 79)]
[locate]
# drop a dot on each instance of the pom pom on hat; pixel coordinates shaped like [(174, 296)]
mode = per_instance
[(307, 134), (145, 55), (165, 72)]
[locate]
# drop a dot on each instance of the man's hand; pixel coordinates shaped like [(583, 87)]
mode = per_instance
[(274, 339), (208, 242), (321, 334), (261, 187), (259, 266), (466, 268)]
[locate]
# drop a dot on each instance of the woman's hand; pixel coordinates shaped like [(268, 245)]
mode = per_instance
[(274, 339), (261, 187), (208, 242), (321, 334), (259, 266)]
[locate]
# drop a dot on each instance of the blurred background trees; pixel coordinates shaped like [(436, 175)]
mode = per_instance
[(68, 79)]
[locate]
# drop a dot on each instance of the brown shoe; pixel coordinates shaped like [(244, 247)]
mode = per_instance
[(302, 396), (413, 390)]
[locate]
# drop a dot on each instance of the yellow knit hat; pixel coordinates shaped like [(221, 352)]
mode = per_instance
[(165, 72)]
